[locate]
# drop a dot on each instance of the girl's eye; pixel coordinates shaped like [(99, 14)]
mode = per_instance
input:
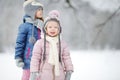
[(50, 26), (56, 27)]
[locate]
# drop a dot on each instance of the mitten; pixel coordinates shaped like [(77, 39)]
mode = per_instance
[(68, 75), (19, 62), (34, 75)]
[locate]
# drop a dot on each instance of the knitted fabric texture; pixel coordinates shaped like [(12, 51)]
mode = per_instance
[(53, 54)]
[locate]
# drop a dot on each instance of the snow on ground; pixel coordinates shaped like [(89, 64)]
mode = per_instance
[(96, 65), (8, 69), (88, 65)]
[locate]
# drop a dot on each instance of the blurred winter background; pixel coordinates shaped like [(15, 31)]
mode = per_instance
[(90, 27)]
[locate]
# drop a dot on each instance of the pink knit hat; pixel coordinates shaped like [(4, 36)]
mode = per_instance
[(52, 15)]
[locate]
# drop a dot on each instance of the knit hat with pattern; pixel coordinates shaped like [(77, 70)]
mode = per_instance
[(31, 6)]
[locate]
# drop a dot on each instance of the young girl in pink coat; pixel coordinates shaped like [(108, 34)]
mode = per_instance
[(51, 57)]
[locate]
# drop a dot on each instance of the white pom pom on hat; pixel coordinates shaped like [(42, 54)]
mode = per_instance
[(54, 13), (27, 2)]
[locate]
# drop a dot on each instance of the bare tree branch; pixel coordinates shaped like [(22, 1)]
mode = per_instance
[(70, 5), (102, 25), (109, 18)]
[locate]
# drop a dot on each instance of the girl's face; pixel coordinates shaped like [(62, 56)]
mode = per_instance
[(39, 13), (52, 28)]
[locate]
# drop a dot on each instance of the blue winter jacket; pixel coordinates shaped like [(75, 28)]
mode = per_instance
[(23, 47)]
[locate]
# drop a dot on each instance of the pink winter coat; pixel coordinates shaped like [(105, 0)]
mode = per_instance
[(46, 69)]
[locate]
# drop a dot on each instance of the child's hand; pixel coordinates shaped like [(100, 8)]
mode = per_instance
[(34, 75), (19, 62), (68, 75)]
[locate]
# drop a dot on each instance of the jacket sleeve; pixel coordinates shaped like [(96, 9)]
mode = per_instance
[(21, 41), (67, 59), (36, 57)]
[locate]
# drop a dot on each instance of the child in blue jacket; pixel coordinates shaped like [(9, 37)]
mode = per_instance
[(28, 32)]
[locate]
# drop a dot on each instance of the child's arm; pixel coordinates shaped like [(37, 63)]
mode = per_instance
[(36, 57), (20, 41), (67, 59), (67, 63)]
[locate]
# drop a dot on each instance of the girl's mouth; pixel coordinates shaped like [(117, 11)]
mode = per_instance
[(52, 32)]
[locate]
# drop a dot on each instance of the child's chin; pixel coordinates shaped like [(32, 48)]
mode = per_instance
[(52, 35)]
